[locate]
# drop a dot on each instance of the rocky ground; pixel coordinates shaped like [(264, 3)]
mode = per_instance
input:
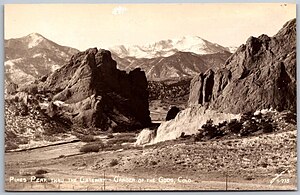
[(250, 163)]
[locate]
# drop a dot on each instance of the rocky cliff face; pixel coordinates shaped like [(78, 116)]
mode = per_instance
[(260, 74), (91, 91)]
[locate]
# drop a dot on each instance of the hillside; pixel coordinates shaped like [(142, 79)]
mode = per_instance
[(32, 56)]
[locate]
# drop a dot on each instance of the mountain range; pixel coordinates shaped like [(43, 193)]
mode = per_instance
[(166, 48), (178, 65), (33, 56)]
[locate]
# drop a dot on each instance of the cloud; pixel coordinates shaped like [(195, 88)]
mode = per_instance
[(119, 10)]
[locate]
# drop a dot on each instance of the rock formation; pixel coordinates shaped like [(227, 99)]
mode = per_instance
[(260, 75), (187, 121), (90, 91)]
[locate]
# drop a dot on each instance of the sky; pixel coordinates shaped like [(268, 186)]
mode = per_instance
[(103, 25)]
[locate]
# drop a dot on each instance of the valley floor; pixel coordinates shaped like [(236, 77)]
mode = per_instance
[(264, 162)]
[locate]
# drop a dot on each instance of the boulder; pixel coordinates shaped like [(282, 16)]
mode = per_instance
[(145, 137)]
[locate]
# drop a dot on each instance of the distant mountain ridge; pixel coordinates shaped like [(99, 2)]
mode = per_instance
[(166, 48), (32, 56), (179, 65)]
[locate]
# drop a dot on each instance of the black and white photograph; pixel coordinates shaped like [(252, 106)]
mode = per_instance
[(150, 97)]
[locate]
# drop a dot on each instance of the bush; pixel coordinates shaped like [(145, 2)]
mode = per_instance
[(11, 88), (266, 126), (24, 111), (41, 172), (113, 162), (249, 124), (290, 118), (249, 127), (23, 140), (10, 145), (90, 148), (234, 126), (31, 89), (209, 130), (246, 116), (88, 138), (249, 178)]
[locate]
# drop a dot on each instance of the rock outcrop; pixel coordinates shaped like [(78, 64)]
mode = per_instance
[(90, 91), (260, 75), (187, 121)]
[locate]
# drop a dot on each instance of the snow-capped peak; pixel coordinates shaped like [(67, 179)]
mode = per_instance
[(165, 48)]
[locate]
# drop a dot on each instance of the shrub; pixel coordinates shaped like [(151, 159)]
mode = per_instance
[(88, 138), (266, 126), (23, 140), (222, 124), (10, 145), (197, 137), (249, 178), (210, 131), (234, 126), (113, 162), (182, 135), (24, 109), (90, 148), (246, 116), (32, 89), (280, 170), (11, 88), (41, 172), (248, 128), (290, 118)]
